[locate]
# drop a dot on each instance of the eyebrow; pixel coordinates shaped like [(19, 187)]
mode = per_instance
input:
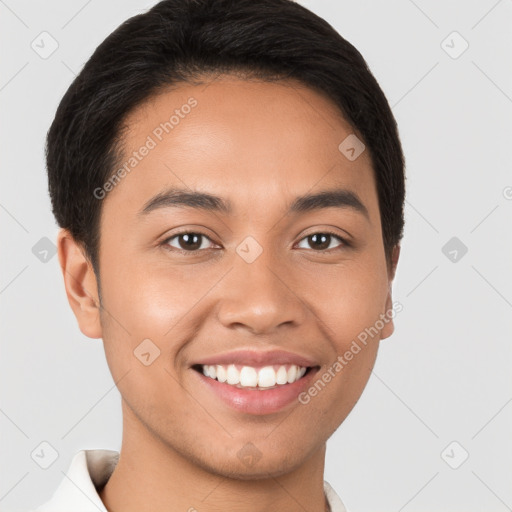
[(182, 198)]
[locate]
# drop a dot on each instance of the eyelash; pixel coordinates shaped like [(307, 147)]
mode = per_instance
[(165, 243)]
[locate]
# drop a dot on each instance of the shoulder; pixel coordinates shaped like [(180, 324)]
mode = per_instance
[(334, 500), (89, 471)]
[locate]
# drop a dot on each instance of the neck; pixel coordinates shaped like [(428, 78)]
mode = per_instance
[(151, 475)]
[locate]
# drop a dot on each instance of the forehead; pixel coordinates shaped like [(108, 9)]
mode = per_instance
[(258, 141)]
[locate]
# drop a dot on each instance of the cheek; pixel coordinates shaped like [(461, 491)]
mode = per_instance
[(349, 300), (151, 309), (146, 299)]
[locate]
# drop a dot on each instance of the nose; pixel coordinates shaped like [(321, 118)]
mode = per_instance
[(260, 297)]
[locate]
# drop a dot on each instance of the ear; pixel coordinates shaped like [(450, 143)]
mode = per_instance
[(389, 326), (80, 284)]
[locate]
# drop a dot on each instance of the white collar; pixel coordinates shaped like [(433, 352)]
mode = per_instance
[(90, 471)]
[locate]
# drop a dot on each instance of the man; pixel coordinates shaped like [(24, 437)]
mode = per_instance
[(229, 182)]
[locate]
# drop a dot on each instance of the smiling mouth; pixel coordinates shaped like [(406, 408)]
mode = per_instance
[(251, 377)]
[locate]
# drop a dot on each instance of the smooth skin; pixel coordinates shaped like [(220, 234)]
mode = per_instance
[(259, 145)]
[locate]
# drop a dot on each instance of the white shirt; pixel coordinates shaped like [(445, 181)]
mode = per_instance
[(90, 470)]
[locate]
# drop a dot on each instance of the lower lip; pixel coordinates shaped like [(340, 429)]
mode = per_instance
[(254, 401)]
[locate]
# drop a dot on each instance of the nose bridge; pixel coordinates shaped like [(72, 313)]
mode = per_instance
[(257, 294)]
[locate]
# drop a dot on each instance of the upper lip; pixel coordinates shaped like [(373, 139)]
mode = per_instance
[(257, 358)]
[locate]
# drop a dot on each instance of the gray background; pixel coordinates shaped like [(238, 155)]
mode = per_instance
[(444, 376)]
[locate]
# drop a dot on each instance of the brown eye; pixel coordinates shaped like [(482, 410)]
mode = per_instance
[(188, 242), (322, 241)]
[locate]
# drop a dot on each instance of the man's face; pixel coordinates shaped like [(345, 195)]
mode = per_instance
[(259, 278)]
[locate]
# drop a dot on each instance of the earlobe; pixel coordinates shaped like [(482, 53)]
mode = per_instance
[(389, 326), (80, 284)]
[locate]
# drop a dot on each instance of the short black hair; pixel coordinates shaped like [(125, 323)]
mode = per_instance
[(189, 41)]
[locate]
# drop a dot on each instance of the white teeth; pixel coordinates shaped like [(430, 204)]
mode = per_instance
[(282, 376), (247, 376), (292, 374), (266, 377), (221, 373), (233, 375)]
